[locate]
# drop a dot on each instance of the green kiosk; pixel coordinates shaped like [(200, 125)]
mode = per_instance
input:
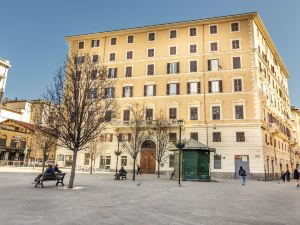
[(195, 161)]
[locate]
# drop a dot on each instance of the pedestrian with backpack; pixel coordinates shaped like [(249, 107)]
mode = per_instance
[(242, 174)]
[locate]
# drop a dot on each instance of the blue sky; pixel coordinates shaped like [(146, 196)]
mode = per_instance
[(32, 31)]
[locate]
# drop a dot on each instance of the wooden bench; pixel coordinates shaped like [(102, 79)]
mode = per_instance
[(58, 177), (118, 176)]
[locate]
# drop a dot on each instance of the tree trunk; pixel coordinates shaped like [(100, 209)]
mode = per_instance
[(158, 169), (133, 175), (72, 177), (44, 162), (91, 168)]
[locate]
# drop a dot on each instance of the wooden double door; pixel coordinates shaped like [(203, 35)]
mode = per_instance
[(147, 160)]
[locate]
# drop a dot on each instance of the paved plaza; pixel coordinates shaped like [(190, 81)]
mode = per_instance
[(101, 200)]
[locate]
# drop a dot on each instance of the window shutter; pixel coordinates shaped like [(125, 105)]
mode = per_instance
[(145, 90), (198, 87), (113, 92), (105, 92), (120, 138), (116, 69), (177, 89), (123, 95), (209, 86), (168, 89), (177, 67), (220, 86), (188, 88), (209, 65), (131, 91), (154, 90), (168, 68), (129, 137), (110, 137)]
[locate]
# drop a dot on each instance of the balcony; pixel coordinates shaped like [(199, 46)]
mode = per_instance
[(273, 128)]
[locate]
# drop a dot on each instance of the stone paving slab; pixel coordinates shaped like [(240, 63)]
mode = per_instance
[(146, 201)]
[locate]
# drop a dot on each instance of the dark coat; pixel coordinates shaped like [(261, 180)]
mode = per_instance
[(296, 174)]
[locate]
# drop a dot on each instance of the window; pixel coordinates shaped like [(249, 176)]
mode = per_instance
[(217, 162), (128, 71), (235, 27), (150, 69), (171, 160), (149, 114), (213, 46), (193, 31), (95, 58), (60, 157), (81, 44), (112, 73), (236, 62), (194, 113), (126, 115), (130, 39), (173, 137), (129, 55), (95, 43), (213, 29), (193, 48), (173, 34), (151, 52), (240, 136), (216, 136), (127, 91), (173, 68), (150, 90), (193, 66), (112, 56), (215, 86), (239, 112), (77, 75), (151, 36), (216, 113), (235, 44), (172, 113), (123, 160), (194, 135), (87, 159), (213, 65), (110, 92), (93, 75), (108, 116), (193, 88), (173, 89), (79, 59), (237, 85), (113, 41), (173, 50)]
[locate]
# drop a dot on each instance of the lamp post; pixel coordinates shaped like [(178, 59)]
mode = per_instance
[(180, 146), (118, 152)]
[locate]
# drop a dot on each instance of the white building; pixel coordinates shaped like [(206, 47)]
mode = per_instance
[(4, 66)]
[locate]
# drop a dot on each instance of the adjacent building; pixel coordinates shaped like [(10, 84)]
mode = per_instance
[(223, 76), (4, 66), (296, 133)]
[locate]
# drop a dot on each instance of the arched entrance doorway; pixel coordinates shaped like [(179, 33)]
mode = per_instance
[(147, 160)]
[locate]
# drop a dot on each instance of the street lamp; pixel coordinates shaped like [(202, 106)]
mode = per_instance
[(118, 152), (179, 146)]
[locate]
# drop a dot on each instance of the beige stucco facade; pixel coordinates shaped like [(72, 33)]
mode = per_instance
[(235, 89)]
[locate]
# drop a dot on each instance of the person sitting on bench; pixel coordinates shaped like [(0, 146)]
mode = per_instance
[(50, 170), (122, 171), (56, 169)]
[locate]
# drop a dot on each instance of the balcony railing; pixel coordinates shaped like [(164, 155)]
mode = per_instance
[(273, 128)]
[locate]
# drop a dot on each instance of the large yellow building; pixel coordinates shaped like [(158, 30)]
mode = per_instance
[(223, 76)]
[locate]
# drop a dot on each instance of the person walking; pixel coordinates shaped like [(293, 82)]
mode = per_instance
[(283, 177), (242, 174), (138, 170), (287, 175), (296, 177)]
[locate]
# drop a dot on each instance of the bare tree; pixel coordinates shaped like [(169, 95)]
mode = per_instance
[(96, 148), (42, 144), (81, 104), (139, 133), (160, 133)]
